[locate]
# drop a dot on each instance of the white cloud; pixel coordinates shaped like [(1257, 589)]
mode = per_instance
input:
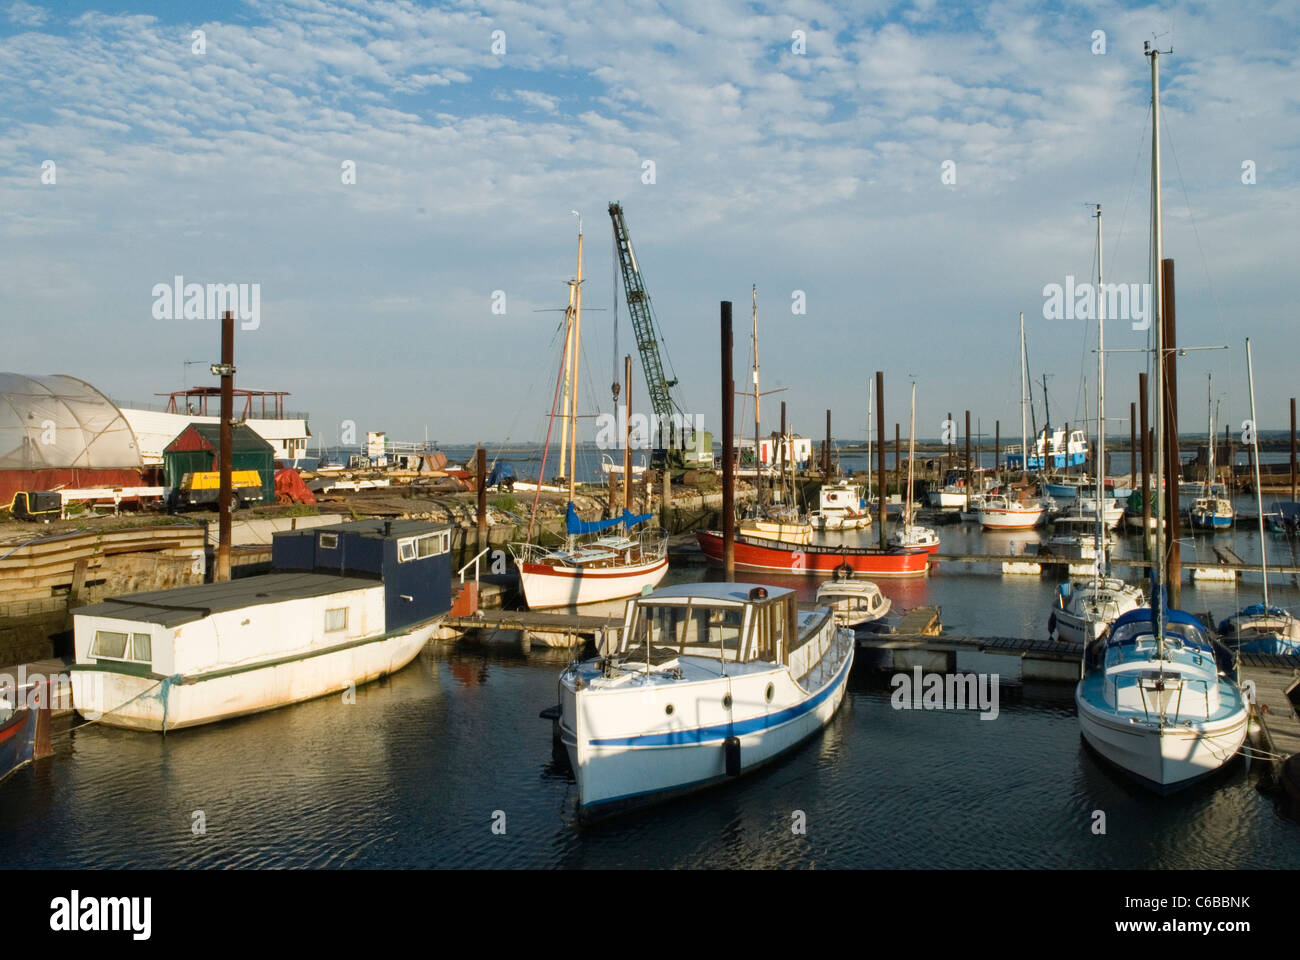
[(818, 172), (26, 14)]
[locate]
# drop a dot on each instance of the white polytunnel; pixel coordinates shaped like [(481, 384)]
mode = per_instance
[(58, 422)]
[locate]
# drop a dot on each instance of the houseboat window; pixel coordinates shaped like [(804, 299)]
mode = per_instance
[(329, 541), (405, 550), (336, 619), (428, 546), (109, 644)]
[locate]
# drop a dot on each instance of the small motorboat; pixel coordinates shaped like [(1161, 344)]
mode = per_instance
[(708, 681), (855, 602)]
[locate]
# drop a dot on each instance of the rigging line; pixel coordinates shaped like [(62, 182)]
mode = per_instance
[(555, 335), (1143, 131), (1209, 280)]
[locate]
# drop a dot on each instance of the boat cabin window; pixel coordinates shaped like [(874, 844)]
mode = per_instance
[(329, 541), (336, 619), (696, 629), (132, 648), (426, 546)]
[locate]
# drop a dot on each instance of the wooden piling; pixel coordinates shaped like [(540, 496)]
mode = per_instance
[(728, 443), (225, 459), (480, 463), (1173, 514), (1146, 467), (627, 433), (968, 473), (1293, 462), (880, 449)]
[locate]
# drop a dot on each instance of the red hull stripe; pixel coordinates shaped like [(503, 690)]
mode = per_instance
[(546, 570)]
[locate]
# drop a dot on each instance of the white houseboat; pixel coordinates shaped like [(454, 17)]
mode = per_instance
[(709, 681), (345, 604)]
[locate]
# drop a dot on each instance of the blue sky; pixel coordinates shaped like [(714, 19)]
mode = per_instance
[(817, 172)]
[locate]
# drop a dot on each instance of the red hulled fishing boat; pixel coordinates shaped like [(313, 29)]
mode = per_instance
[(756, 553)]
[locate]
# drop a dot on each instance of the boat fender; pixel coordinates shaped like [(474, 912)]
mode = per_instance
[(844, 571), (1051, 624), (731, 748)]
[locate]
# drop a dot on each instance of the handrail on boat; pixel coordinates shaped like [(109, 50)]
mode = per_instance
[(475, 564)]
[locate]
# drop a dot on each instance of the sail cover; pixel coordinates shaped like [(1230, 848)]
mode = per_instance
[(576, 525)]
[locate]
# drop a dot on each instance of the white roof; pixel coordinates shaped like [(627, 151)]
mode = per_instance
[(59, 422), (733, 592)]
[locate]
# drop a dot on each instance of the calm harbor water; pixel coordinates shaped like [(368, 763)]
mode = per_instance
[(414, 773)]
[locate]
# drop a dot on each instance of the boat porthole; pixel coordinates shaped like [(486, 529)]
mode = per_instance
[(726, 702), (771, 692), (669, 709)]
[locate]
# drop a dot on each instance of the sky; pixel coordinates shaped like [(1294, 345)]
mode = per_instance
[(393, 175)]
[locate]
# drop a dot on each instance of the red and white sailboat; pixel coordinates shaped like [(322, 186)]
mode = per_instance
[(597, 562), (1003, 512), (910, 534)]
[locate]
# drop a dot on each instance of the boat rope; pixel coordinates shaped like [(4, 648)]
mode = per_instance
[(166, 683)]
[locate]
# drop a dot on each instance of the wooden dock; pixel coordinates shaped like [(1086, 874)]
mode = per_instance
[(537, 626), (1274, 711)]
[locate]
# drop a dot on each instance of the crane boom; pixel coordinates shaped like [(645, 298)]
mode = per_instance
[(643, 326)]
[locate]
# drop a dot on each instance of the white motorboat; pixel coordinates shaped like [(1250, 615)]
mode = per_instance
[(855, 602), (1000, 512), (1112, 511), (840, 507), (708, 682)]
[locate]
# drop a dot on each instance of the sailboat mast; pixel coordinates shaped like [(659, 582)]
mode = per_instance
[(1024, 389), (911, 457), (1157, 322), (758, 464), (1259, 495), (1209, 413), (577, 343), (1101, 410), (568, 383)]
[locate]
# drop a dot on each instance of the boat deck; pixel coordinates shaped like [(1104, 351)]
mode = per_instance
[(171, 608)]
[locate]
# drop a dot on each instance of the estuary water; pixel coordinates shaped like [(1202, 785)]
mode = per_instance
[(448, 765)]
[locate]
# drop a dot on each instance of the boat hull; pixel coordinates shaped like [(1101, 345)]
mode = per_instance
[(17, 740), (615, 773), (994, 519), (1165, 761), (547, 586), (150, 702), (796, 559), (1210, 521)]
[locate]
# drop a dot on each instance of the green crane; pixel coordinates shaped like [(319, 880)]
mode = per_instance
[(676, 444)]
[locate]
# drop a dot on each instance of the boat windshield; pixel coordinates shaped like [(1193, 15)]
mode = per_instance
[(693, 628)]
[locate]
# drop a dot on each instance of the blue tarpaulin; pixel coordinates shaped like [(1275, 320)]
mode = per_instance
[(500, 471), (576, 525)]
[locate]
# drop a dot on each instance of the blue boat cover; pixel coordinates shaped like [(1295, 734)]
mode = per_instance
[(500, 471), (576, 525)]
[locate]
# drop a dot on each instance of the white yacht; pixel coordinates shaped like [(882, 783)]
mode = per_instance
[(708, 682)]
